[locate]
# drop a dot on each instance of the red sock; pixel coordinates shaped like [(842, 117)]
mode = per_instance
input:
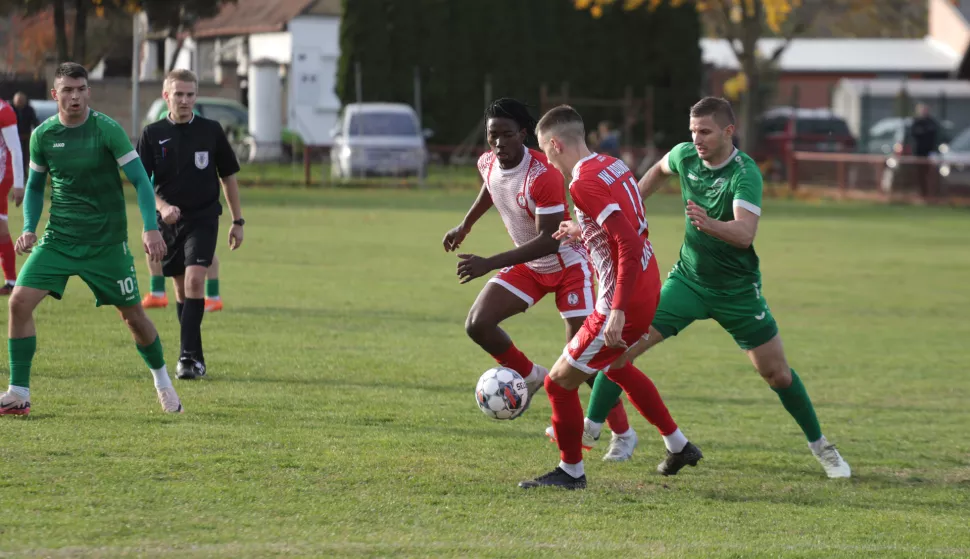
[(567, 420), (617, 419), (8, 259), (644, 396), (515, 360)]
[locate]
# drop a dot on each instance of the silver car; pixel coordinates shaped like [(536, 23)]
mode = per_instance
[(953, 161), (378, 139)]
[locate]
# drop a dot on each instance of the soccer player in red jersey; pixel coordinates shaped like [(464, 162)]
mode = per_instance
[(11, 176), (530, 196), (614, 231)]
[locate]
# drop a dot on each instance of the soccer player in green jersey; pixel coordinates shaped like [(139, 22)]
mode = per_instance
[(86, 235), (717, 275)]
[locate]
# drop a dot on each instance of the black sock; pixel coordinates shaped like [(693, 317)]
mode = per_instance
[(192, 312), (178, 311)]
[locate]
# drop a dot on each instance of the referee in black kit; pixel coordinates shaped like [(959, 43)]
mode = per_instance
[(187, 155)]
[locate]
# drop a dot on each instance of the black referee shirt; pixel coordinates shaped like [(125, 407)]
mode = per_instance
[(187, 161)]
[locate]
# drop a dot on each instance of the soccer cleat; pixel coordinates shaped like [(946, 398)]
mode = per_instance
[(621, 448), (556, 478), (831, 460), (213, 305), (170, 400), (151, 301), (189, 369), (674, 461), (535, 386), (11, 404), (7, 289), (589, 441)]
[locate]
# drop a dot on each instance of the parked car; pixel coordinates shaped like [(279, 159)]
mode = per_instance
[(378, 139), (44, 108), (234, 118), (891, 136), (953, 161), (782, 129)]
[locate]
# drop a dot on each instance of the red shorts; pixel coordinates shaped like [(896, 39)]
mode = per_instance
[(573, 287), (6, 183), (587, 351)]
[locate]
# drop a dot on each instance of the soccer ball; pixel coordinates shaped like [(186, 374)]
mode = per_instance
[(501, 393)]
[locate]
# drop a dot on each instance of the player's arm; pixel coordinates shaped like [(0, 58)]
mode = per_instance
[(147, 158), (12, 139), (33, 196), (656, 177), (739, 232), (455, 236), (543, 245)]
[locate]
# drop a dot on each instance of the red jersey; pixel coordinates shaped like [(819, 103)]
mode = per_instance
[(7, 118), (532, 188), (610, 211)]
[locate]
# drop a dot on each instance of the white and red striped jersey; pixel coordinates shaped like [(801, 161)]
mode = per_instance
[(7, 118), (532, 188), (603, 185)]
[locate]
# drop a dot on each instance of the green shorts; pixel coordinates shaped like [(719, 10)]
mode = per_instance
[(109, 270), (743, 312)]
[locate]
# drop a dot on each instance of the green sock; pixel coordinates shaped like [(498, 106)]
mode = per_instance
[(604, 396), (152, 354), (158, 284), (211, 288), (21, 352), (799, 405)]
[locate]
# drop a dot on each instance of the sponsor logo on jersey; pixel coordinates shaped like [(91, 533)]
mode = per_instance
[(691, 176), (201, 159), (162, 142), (520, 200), (59, 145), (718, 186)]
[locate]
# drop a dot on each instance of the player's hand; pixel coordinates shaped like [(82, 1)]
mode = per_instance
[(17, 195), (471, 267), (235, 237), (170, 214), (613, 332), (569, 232), (25, 243), (698, 216), (454, 238), (154, 245)]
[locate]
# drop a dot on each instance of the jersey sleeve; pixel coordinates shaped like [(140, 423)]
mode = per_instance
[(116, 139), (38, 161), (226, 162), (144, 150), (747, 188), (7, 117), (593, 198), (676, 155), (548, 192)]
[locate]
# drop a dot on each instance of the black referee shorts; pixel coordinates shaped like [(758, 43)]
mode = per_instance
[(189, 243)]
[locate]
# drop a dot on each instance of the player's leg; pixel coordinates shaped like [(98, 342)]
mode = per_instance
[(510, 292), (213, 301), (8, 256), (150, 348), (157, 298), (199, 247), (747, 317), (45, 272)]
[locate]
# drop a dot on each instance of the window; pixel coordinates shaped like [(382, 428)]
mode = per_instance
[(383, 124)]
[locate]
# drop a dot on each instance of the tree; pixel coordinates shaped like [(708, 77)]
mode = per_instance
[(742, 23)]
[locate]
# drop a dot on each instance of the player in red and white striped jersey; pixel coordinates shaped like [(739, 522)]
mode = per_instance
[(11, 176), (614, 230), (530, 196)]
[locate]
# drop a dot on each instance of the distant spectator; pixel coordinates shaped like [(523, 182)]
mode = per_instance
[(26, 122), (925, 132), (609, 140)]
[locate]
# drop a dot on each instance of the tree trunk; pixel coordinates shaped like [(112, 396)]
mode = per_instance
[(750, 103), (60, 31), (80, 31)]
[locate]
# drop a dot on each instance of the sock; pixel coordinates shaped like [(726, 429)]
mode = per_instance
[(816, 445), (644, 396), (8, 259), (178, 310), (162, 380), (603, 398), (25, 392), (592, 427), (152, 353), (193, 310), (212, 289), (158, 286), (575, 470), (799, 405), (567, 421), (515, 360), (21, 351), (617, 419), (675, 442)]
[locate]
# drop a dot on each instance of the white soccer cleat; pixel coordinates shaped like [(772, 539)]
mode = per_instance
[(589, 441), (830, 459), (536, 384), (170, 400), (11, 404), (621, 448)]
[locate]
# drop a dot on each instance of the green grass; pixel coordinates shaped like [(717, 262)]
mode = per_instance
[(294, 174), (339, 418)]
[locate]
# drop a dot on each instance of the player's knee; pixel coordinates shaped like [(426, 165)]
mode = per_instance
[(20, 308), (777, 376), (476, 327)]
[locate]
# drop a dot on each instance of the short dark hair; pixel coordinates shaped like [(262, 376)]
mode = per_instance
[(71, 70), (514, 110), (562, 120), (717, 107)]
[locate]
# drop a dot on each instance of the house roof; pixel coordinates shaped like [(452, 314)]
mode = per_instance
[(246, 17), (888, 87), (844, 55)]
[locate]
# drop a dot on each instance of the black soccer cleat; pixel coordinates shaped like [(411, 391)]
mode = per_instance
[(675, 461), (556, 478), (189, 369)]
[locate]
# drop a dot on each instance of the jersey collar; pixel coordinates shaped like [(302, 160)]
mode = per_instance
[(722, 164), (169, 117), (90, 110), (526, 160), (580, 163)]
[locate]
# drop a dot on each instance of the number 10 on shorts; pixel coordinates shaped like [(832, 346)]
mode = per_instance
[(127, 286)]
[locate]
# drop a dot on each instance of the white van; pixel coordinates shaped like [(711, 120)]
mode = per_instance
[(378, 139)]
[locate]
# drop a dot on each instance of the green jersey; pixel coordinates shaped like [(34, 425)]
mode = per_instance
[(705, 259), (87, 202)]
